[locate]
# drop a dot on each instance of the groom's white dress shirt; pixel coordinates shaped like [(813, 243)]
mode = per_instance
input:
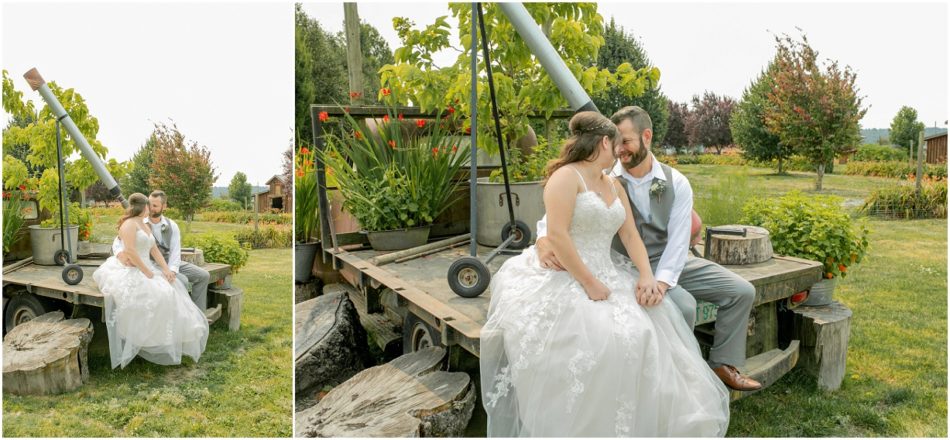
[(677, 247), (174, 247)]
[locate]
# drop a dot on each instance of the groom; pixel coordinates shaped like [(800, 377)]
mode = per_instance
[(663, 202), (168, 239)]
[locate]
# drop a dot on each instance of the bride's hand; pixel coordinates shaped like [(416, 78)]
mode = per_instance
[(646, 291), (597, 291), (148, 274), (169, 275)]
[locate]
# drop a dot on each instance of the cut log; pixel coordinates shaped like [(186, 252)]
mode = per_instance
[(824, 332), (306, 291), (408, 397), (233, 301), (196, 257), (755, 247), (46, 355), (330, 344)]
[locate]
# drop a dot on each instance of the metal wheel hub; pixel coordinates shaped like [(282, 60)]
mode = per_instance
[(468, 277)]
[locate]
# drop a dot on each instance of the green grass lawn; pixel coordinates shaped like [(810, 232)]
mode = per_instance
[(896, 379), (241, 387), (104, 227)]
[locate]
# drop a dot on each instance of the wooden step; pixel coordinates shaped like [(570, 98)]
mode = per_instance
[(213, 314), (768, 367)]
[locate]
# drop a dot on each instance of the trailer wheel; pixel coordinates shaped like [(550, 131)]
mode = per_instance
[(72, 274), (61, 257), (22, 308), (468, 277), (418, 335), (522, 234)]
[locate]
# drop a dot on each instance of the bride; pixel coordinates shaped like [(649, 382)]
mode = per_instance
[(147, 309), (575, 354)]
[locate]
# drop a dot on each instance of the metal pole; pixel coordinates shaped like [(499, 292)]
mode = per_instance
[(473, 223), (63, 200), (539, 45), (37, 83)]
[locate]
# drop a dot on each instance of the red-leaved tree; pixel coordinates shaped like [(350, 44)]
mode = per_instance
[(677, 134), (814, 109), (710, 121), (182, 169)]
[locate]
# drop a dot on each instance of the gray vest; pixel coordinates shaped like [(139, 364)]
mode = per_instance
[(162, 239), (653, 230)]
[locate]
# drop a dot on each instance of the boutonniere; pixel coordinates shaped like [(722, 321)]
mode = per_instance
[(164, 226), (657, 188)]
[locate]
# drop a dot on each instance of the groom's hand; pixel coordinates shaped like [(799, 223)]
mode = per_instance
[(169, 275), (546, 255)]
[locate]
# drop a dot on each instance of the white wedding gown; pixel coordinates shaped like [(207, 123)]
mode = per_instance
[(151, 318), (556, 364)]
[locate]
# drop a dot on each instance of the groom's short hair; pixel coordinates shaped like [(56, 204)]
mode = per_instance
[(637, 116), (160, 194)]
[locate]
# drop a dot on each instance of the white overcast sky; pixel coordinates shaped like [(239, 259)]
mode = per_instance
[(899, 50), (222, 71)]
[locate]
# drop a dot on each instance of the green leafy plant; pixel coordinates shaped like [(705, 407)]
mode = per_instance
[(223, 205), (219, 248), (306, 203), (83, 219), (12, 219), (811, 227), (896, 170), (244, 217), (266, 237), (398, 177), (528, 167), (878, 153), (903, 201)]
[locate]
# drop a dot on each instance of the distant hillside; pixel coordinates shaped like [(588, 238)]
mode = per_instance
[(218, 192), (871, 135)]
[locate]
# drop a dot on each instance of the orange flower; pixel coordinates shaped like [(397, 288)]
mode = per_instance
[(829, 275), (399, 116), (468, 130), (358, 135), (385, 91), (355, 94), (299, 172), (451, 110), (842, 268), (324, 116), (392, 143), (385, 118), (22, 187), (435, 152), (420, 123), (455, 148), (304, 150)]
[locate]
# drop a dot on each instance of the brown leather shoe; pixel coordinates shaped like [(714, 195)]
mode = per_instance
[(735, 380)]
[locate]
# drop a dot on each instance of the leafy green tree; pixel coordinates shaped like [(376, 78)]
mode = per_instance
[(36, 129), (748, 123), (905, 130), (182, 169), (815, 109), (239, 190), (522, 86), (621, 47), (136, 181), (710, 121)]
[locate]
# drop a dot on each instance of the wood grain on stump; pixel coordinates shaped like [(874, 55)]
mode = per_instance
[(46, 355), (330, 344), (755, 247), (407, 397), (824, 332)]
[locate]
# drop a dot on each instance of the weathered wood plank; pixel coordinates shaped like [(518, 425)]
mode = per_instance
[(329, 343), (408, 397), (47, 355), (768, 367)]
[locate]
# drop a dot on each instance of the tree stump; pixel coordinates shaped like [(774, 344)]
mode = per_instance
[(408, 397), (755, 247), (46, 355), (308, 290), (330, 344), (824, 332), (196, 257)]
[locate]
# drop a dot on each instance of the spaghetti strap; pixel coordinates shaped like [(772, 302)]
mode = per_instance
[(579, 175), (613, 187)]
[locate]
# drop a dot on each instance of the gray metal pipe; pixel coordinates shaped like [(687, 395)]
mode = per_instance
[(37, 83), (539, 45)]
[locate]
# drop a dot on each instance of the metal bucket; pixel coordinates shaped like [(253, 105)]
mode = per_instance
[(821, 293), (399, 239), (492, 204), (46, 241), (304, 254)]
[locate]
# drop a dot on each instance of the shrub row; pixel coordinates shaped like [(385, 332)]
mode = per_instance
[(265, 237), (897, 170), (879, 153), (219, 248), (243, 217), (903, 202)]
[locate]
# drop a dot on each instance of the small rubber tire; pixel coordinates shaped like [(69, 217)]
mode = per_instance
[(418, 335), (522, 234), (468, 277), (61, 257), (72, 274)]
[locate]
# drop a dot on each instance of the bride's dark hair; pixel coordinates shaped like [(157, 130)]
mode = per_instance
[(138, 203), (587, 129)]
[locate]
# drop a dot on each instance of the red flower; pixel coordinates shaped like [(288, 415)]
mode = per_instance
[(400, 117), (385, 118), (451, 110), (435, 151), (324, 116), (304, 150), (420, 123), (468, 130), (22, 187), (358, 135), (455, 148), (346, 110), (842, 268), (355, 94), (385, 91), (392, 143), (299, 172)]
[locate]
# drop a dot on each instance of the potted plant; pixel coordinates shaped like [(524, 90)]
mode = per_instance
[(525, 177), (306, 214), (395, 181), (83, 221), (815, 228), (12, 220)]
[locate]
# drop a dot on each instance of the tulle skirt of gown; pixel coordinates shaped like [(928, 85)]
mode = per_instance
[(151, 318), (556, 364)]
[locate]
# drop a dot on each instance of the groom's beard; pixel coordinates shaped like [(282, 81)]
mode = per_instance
[(155, 215), (638, 157)]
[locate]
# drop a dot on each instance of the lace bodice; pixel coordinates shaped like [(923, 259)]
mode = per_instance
[(593, 227)]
